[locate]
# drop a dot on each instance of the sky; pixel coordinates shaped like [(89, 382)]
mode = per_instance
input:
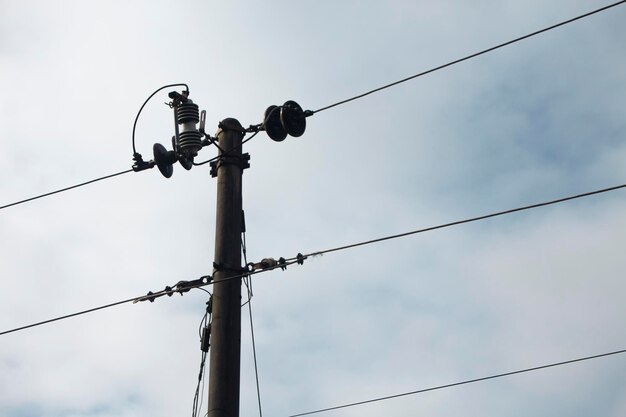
[(535, 121)]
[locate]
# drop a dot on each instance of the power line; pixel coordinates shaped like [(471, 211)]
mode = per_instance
[(109, 176), (204, 333), (256, 369), (459, 222), (469, 381), (248, 283), (149, 297), (105, 177), (91, 310), (474, 55), (300, 258), (66, 188), (493, 48), (342, 101), (147, 165)]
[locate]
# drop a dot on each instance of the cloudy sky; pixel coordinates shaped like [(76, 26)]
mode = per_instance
[(535, 121)]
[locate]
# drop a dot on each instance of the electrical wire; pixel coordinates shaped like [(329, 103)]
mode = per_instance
[(106, 176), (249, 302), (204, 323), (134, 300), (66, 189), (67, 316), (299, 259), (258, 128), (168, 291), (469, 381), (146, 102), (474, 55), (493, 48), (459, 222), (228, 151), (197, 405)]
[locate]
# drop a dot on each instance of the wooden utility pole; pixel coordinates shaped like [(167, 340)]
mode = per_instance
[(226, 321)]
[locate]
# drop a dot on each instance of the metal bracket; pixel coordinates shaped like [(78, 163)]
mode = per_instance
[(226, 268), (242, 162)]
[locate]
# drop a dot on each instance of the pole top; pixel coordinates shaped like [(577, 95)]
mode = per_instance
[(230, 124)]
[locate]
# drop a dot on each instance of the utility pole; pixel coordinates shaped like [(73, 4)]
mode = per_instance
[(226, 322), (225, 326)]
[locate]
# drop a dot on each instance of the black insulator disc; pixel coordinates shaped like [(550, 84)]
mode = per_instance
[(292, 118), (185, 162), (164, 159), (273, 126)]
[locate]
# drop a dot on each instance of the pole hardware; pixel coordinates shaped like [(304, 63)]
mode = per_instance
[(190, 134), (242, 162), (205, 342), (288, 119), (265, 263), (187, 139), (140, 164), (180, 287)]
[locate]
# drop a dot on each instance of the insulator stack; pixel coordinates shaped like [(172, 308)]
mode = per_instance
[(288, 119), (189, 138)]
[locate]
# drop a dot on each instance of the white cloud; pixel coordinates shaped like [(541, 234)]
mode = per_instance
[(531, 122)]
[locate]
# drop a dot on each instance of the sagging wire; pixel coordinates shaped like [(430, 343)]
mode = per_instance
[(204, 332), (300, 257), (66, 189), (248, 282), (140, 164), (468, 381), (181, 287), (474, 55), (269, 264)]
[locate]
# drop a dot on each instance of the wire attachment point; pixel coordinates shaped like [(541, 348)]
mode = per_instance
[(180, 287), (140, 164), (254, 128), (185, 286), (266, 263)]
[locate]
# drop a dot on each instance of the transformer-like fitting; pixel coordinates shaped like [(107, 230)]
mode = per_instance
[(189, 137)]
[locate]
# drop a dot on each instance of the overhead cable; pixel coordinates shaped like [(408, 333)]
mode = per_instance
[(459, 222), (67, 316), (474, 55), (181, 287), (469, 381), (309, 113), (269, 264), (66, 188), (248, 282), (204, 332)]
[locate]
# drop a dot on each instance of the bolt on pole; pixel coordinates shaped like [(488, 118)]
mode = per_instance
[(224, 377)]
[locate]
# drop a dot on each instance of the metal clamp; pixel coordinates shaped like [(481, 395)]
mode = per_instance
[(242, 162)]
